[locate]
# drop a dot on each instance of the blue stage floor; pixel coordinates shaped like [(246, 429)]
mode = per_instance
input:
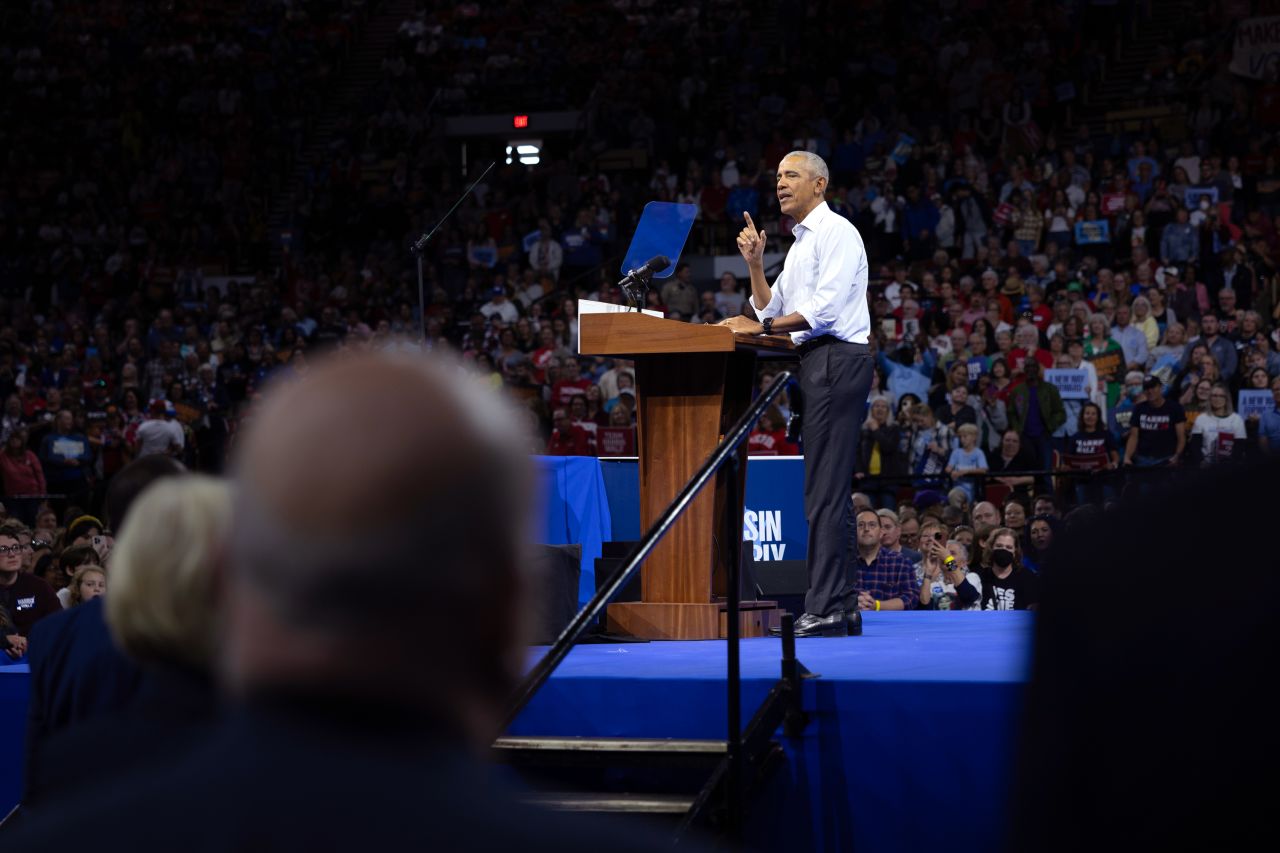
[(913, 725), (910, 747)]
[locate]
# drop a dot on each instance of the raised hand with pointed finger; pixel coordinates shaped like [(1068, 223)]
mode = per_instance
[(751, 242)]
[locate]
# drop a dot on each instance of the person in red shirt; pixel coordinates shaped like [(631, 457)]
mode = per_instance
[(991, 291), (578, 417), (769, 438), (23, 474), (547, 348), (1041, 314), (567, 439), (566, 383), (1028, 346)]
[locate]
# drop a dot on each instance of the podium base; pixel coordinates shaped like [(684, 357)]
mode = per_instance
[(663, 621)]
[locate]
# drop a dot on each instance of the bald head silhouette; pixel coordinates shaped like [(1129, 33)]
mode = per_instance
[(379, 506)]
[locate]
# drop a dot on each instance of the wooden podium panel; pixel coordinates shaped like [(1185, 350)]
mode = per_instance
[(661, 621), (693, 382)]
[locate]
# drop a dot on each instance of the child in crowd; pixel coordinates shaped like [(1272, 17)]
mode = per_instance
[(89, 582), (967, 460)]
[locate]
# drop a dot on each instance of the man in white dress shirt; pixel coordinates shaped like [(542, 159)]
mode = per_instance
[(820, 299), (1131, 339)]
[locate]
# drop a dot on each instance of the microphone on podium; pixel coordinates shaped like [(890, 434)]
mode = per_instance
[(636, 282)]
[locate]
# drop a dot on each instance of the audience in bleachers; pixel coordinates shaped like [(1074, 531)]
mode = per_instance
[(145, 301)]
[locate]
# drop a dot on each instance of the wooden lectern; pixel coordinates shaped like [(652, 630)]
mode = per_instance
[(693, 382)]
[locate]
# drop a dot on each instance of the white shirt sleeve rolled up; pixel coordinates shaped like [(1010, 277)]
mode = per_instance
[(824, 279)]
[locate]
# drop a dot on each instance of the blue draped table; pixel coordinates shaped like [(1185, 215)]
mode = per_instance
[(575, 510), (15, 689)]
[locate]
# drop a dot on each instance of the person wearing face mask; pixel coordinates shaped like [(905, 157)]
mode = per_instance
[(1122, 412), (1006, 583)]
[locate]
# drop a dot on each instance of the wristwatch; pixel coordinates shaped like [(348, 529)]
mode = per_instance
[(767, 322)]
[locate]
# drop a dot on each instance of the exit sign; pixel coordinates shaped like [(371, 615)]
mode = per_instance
[(520, 122)]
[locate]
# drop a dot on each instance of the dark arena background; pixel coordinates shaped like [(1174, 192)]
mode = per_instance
[(615, 425)]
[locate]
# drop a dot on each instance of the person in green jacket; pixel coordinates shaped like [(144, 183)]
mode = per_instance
[(1036, 411), (1107, 356)]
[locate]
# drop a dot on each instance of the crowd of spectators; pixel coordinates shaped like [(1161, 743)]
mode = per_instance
[(143, 143), (943, 551), (142, 311), (946, 551), (46, 569)]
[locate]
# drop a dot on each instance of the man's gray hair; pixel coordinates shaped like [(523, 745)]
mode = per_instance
[(815, 164)]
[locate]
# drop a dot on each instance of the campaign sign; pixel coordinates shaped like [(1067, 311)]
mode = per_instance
[(1193, 195), (1256, 51), (773, 521), (902, 151), (1092, 232), (1254, 401), (616, 441), (1107, 364), (1072, 384)]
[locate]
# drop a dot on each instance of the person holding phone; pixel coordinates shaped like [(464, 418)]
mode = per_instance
[(945, 580)]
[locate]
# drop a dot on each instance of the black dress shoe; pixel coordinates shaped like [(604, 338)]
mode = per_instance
[(838, 624), (802, 621), (854, 618)]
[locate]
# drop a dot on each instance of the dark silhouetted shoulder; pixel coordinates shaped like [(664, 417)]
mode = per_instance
[(1151, 716)]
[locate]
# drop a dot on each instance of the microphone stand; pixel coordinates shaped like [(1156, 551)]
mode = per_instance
[(636, 287), (419, 246)]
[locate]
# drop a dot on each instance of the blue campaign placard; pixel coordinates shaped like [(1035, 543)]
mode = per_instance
[(1193, 195), (1092, 232), (1254, 401), (1071, 384)]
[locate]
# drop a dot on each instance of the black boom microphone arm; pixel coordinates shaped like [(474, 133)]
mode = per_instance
[(636, 282)]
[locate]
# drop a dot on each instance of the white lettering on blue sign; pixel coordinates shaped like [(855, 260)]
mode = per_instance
[(763, 528)]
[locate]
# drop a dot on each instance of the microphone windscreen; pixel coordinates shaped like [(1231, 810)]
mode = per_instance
[(658, 263)]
